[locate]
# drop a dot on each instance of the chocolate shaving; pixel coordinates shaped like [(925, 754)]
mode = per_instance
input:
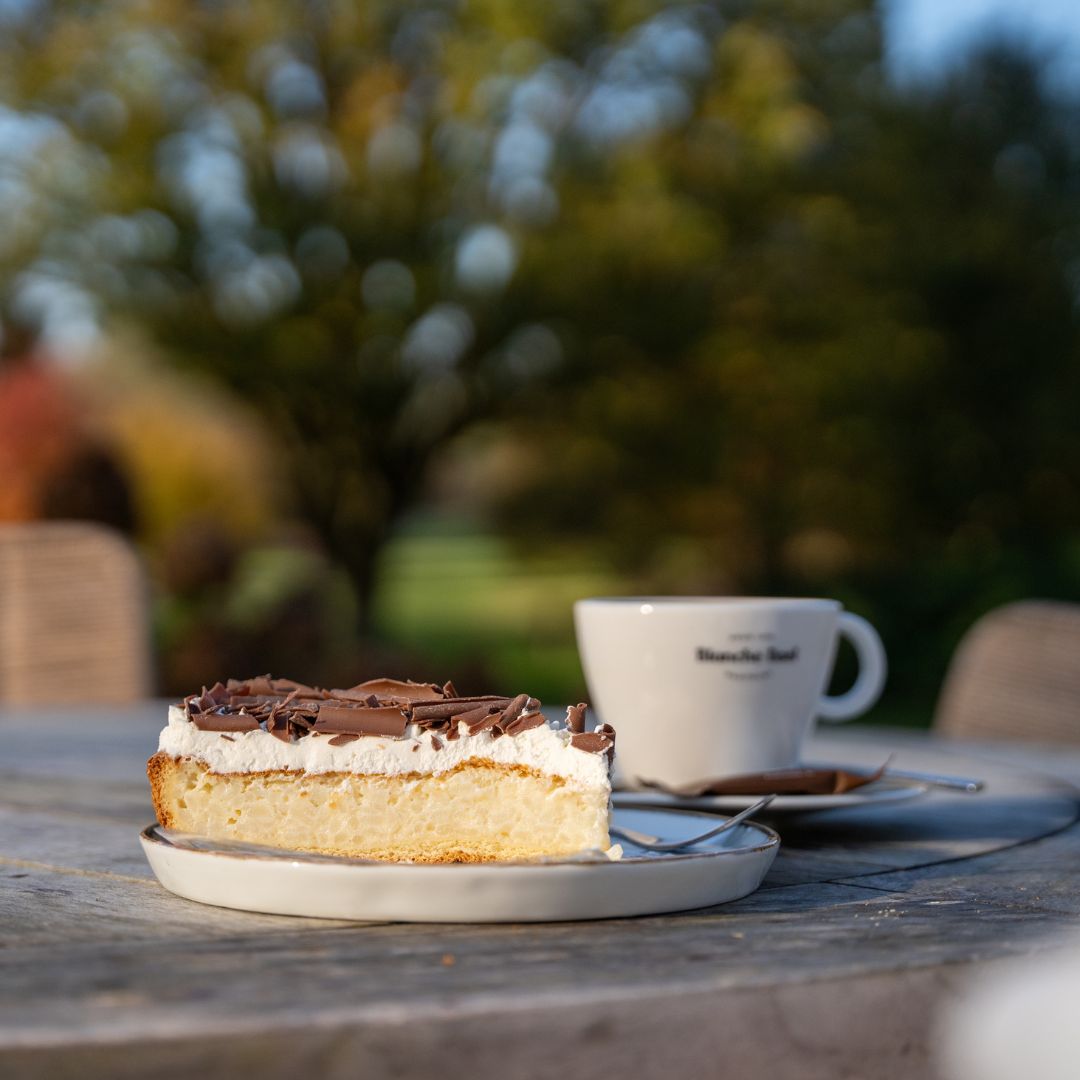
[(287, 701), (260, 685), (342, 740), (575, 717), (249, 701), (227, 738), (397, 690), (216, 694), (480, 719), (592, 742), (440, 726), (215, 721), (778, 781), (609, 731), (513, 710), (363, 697), (524, 723), (283, 686), (291, 710), (443, 710), (206, 700), (389, 721)]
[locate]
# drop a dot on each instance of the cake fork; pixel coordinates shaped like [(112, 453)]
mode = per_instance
[(654, 843)]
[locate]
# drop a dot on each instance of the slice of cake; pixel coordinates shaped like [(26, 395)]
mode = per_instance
[(384, 770)]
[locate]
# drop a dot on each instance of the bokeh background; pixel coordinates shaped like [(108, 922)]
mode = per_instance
[(386, 330)]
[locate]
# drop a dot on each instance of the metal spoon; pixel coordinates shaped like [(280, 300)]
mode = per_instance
[(967, 784), (654, 843)]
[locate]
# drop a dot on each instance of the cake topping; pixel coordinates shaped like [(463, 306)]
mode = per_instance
[(215, 721), (389, 721), (575, 717), (361, 697), (262, 685), (514, 710), (396, 690), (343, 739), (443, 710), (481, 718), (523, 723), (590, 741), (600, 741), (290, 710)]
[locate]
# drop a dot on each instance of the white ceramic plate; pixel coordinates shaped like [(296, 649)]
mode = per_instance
[(875, 794), (725, 868)]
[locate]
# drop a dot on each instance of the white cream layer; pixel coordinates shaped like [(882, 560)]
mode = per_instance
[(545, 748)]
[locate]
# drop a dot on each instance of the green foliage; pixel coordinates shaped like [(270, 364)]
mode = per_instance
[(868, 389), (475, 608), (750, 319)]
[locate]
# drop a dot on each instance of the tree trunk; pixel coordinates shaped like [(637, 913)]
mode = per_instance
[(360, 562), (354, 545)]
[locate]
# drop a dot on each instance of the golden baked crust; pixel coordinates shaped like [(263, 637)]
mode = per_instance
[(156, 771)]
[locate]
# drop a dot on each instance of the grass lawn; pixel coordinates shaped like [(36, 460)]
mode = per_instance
[(466, 598)]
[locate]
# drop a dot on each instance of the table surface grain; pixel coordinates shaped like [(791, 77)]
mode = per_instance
[(869, 921)]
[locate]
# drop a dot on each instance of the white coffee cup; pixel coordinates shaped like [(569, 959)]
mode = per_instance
[(700, 687)]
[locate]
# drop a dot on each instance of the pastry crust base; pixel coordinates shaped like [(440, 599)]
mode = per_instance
[(479, 811)]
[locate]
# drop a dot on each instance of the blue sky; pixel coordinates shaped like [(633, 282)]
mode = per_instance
[(927, 36)]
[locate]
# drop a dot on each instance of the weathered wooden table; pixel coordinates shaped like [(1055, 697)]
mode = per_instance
[(836, 968)]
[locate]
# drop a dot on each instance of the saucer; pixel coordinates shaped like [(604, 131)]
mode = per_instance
[(592, 886), (877, 793)]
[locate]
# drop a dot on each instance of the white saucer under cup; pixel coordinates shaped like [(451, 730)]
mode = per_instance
[(700, 687), (885, 792)]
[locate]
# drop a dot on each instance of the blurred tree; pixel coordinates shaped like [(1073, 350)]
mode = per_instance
[(328, 207), (755, 320), (293, 197), (877, 377), (828, 345)]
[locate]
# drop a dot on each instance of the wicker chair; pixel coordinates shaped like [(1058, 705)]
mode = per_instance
[(74, 623), (1016, 675)]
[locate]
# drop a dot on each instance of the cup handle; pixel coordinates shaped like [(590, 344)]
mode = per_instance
[(872, 670)]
